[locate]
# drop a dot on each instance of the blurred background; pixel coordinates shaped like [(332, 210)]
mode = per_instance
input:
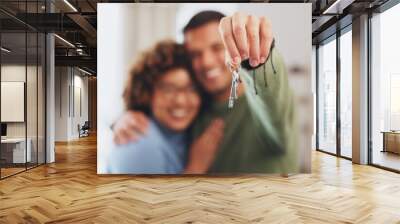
[(126, 29)]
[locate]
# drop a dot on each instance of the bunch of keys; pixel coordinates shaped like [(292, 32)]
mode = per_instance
[(235, 83), (236, 78)]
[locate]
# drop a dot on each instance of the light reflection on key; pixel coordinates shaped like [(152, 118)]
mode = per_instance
[(234, 85)]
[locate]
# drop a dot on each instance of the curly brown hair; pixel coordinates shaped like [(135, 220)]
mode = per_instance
[(151, 65)]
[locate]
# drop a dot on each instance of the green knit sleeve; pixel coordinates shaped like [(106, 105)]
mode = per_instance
[(272, 103)]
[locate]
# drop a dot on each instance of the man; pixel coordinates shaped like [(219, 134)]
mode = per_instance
[(259, 131)]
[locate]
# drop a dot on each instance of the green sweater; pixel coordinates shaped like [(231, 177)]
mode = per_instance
[(260, 130)]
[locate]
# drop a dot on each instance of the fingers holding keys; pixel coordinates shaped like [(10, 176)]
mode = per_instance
[(240, 35), (266, 38), (225, 28), (253, 33), (246, 37)]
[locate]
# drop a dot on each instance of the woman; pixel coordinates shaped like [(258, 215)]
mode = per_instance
[(161, 84)]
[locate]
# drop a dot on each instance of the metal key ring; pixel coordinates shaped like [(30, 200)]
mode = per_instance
[(232, 68)]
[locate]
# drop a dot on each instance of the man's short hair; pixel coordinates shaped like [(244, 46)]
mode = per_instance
[(203, 18)]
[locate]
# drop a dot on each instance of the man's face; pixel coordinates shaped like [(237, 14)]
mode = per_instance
[(206, 49)]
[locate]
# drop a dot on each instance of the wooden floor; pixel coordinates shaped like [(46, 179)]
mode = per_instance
[(387, 159), (70, 191), (10, 171)]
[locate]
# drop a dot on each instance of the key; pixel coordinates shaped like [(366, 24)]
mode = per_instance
[(231, 97), (236, 78), (234, 85)]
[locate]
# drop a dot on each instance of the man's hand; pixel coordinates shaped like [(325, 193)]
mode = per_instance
[(129, 127), (246, 37), (203, 150)]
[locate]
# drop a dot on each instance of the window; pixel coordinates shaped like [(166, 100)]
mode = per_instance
[(385, 89), (327, 97), (22, 66), (346, 94)]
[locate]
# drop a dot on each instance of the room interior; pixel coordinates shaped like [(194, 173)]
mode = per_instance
[(49, 92)]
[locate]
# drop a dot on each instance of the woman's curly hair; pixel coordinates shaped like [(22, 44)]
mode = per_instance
[(151, 65)]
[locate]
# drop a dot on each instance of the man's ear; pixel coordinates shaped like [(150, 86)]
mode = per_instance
[(185, 38)]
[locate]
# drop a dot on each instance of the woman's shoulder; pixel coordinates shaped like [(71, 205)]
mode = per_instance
[(151, 153), (153, 135), (140, 156)]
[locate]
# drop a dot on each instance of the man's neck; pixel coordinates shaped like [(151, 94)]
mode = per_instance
[(224, 96)]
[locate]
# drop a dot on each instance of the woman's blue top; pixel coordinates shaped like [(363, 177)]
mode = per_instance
[(159, 151)]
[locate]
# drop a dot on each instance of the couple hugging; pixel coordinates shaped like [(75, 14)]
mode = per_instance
[(177, 119)]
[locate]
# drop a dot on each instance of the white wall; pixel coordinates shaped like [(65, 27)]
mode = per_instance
[(68, 82), (61, 103), (187, 10), (81, 82), (126, 26)]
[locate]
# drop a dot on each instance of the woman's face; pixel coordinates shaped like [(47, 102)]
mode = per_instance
[(175, 101)]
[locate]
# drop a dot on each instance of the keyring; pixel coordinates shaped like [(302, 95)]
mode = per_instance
[(232, 68)]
